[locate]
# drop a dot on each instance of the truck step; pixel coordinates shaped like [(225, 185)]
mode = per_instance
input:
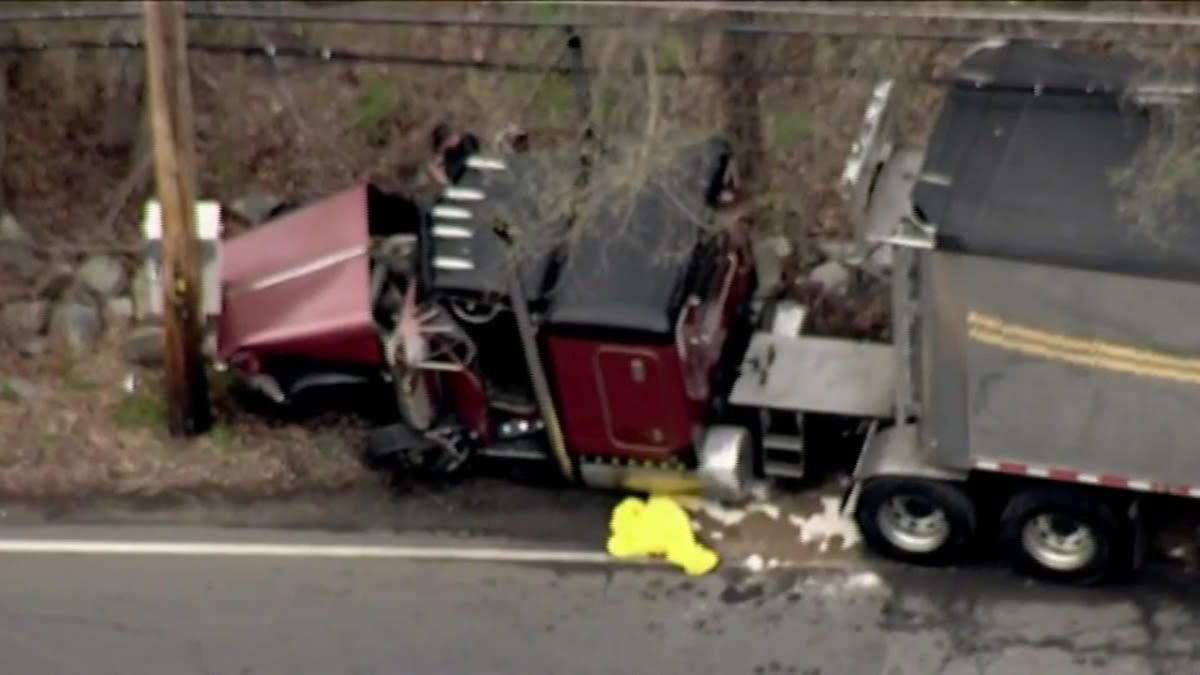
[(516, 450), (783, 470), (782, 443)]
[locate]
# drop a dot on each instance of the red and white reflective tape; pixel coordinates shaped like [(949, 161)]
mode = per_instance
[(1072, 476)]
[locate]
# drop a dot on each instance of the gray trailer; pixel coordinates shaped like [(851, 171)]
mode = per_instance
[(1039, 388)]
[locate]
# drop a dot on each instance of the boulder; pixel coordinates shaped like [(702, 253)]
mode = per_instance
[(872, 258), (54, 279), (831, 275), (34, 347), (24, 320), (20, 389), (18, 260), (104, 275), (76, 326), (770, 253), (256, 208), (118, 312), (842, 250), (11, 230), (143, 346)]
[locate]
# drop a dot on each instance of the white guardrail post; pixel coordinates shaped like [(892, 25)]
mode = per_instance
[(208, 228)]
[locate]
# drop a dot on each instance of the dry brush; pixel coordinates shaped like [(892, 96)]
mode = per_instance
[(74, 157)]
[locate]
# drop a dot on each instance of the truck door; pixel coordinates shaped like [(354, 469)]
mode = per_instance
[(633, 395)]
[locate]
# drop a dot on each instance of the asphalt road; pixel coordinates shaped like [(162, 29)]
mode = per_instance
[(473, 506), (782, 525), (99, 615)]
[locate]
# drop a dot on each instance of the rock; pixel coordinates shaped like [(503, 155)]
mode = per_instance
[(831, 275), (78, 293), (873, 258), (254, 209), (35, 347), (769, 255), (17, 258), (54, 279), (19, 389), (118, 312), (76, 326), (11, 229), (103, 275), (144, 346), (845, 251), (24, 320)]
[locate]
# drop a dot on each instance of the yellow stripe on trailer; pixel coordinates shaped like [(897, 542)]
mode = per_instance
[(1088, 353)]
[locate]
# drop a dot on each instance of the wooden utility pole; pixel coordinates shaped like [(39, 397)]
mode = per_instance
[(170, 100)]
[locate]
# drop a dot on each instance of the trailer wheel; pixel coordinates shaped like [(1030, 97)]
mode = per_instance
[(915, 520), (1063, 535)]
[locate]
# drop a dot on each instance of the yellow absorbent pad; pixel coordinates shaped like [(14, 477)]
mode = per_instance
[(658, 526)]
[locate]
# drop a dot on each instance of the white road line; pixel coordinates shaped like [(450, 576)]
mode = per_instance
[(210, 549), (267, 550)]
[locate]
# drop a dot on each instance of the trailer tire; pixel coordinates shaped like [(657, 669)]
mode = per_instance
[(916, 520), (1063, 535)]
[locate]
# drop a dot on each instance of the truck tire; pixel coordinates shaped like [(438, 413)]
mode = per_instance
[(916, 520), (1064, 535), (387, 445)]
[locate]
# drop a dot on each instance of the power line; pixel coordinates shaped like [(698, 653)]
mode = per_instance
[(92, 11), (325, 55), (840, 10), (580, 22), (337, 55), (895, 11)]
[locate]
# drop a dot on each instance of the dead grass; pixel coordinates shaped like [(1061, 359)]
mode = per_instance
[(82, 434)]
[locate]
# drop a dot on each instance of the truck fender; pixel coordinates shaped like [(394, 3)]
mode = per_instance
[(315, 380), (894, 450)]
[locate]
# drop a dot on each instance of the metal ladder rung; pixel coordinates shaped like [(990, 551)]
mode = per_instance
[(452, 264), (445, 231), (446, 212), (785, 443), (463, 194), (480, 163), (783, 470)]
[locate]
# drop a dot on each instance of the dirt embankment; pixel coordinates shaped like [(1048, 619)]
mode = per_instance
[(74, 174)]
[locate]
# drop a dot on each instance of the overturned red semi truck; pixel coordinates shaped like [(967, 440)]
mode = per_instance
[(1036, 396)]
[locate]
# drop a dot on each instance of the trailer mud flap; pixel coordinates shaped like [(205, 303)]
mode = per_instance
[(850, 495), (850, 498), (1141, 536)]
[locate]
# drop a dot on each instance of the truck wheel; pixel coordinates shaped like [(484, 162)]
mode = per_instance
[(388, 446), (915, 520), (1062, 535)]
